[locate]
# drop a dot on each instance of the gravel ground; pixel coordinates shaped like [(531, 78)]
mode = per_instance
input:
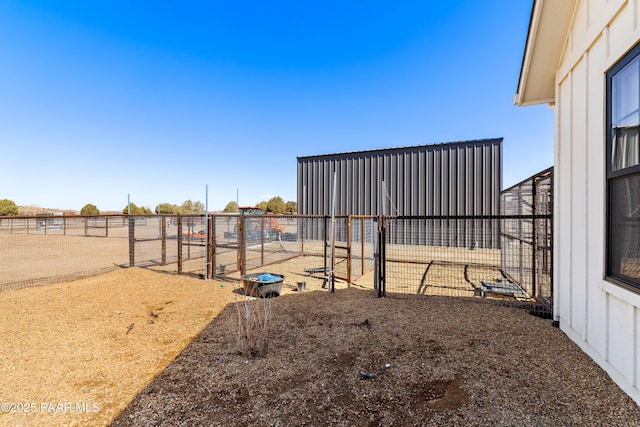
[(351, 359)]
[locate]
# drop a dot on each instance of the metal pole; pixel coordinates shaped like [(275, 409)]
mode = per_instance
[(330, 286), (384, 198)]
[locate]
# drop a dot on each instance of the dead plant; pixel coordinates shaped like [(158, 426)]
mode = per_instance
[(252, 326)]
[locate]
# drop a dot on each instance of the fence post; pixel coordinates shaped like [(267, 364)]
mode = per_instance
[(550, 242), (242, 247), (324, 244), (212, 247), (349, 252), (179, 240), (362, 250), (534, 243), (521, 236), (163, 234), (262, 240), (379, 258), (383, 255), (132, 241), (209, 247)]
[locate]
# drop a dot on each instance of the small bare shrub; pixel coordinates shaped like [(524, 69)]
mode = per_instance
[(252, 326)]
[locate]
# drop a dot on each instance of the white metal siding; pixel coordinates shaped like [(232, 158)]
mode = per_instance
[(600, 317)]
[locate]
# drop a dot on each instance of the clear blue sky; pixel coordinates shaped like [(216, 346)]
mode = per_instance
[(156, 99)]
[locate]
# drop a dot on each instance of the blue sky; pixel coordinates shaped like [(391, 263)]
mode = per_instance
[(101, 99)]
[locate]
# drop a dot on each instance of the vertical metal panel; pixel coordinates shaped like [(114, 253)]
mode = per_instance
[(458, 178)]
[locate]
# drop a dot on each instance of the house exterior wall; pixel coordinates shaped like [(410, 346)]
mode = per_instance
[(602, 318), (459, 178)]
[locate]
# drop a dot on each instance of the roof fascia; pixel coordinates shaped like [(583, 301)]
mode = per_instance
[(546, 39)]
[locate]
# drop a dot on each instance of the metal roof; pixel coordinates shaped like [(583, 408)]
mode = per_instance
[(402, 148)]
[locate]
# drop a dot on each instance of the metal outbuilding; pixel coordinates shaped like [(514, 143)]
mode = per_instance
[(447, 179)]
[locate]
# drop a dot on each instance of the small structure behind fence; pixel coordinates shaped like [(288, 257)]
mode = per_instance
[(527, 238)]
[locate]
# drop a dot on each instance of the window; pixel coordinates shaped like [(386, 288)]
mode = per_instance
[(623, 171)]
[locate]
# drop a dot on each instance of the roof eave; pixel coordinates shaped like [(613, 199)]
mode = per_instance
[(548, 30)]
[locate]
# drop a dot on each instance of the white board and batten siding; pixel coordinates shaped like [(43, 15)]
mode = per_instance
[(602, 318)]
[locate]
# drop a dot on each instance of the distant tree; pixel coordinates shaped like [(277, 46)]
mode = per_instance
[(135, 210), (190, 207), (166, 208), (89, 209), (231, 207), (262, 205), (8, 208), (198, 207), (275, 205), (130, 208), (291, 207), (186, 207)]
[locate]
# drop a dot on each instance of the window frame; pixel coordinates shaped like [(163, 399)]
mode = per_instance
[(611, 175)]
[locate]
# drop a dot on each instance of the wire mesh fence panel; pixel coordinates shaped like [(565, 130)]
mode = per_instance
[(193, 231), (16, 225), (518, 270), (313, 235), (543, 262), (313, 265), (91, 226), (544, 237), (517, 247), (452, 256), (445, 269), (363, 231), (30, 256), (225, 254), (527, 235), (338, 247), (265, 239), (105, 226)]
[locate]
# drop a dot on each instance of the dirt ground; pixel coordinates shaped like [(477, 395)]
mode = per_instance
[(163, 349), (76, 353), (350, 359)]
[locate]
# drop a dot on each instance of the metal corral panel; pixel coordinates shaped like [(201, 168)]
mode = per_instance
[(457, 178)]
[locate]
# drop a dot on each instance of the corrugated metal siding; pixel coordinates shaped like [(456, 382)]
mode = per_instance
[(459, 178)]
